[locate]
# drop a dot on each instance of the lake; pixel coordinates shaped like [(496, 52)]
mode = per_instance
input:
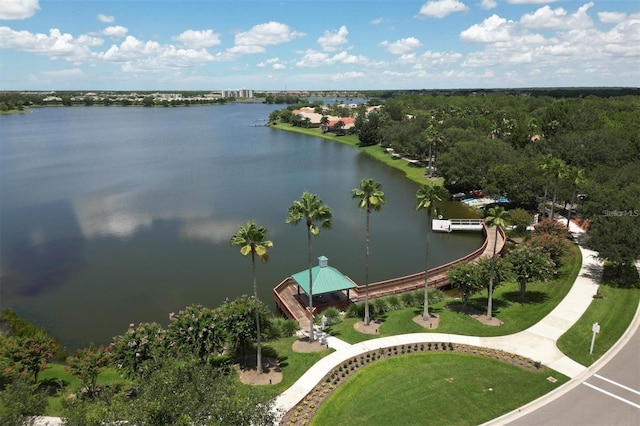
[(114, 215)]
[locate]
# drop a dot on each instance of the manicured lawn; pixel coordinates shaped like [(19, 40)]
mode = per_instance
[(56, 373), (516, 315), (433, 389), (614, 312), (294, 364)]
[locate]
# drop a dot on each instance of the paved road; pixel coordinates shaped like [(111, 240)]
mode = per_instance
[(610, 395)]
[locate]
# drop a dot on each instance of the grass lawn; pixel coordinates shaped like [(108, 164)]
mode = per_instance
[(56, 374), (294, 364), (614, 312), (516, 315), (437, 389)]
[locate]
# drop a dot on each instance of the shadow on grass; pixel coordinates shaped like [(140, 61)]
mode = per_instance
[(594, 272), (620, 276), (530, 297)]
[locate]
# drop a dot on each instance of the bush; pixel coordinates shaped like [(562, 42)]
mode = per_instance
[(393, 302), (87, 363), (520, 218), (436, 295), (408, 299), (355, 310), (134, 351), (378, 307), (22, 402), (332, 315), (552, 244), (552, 227)]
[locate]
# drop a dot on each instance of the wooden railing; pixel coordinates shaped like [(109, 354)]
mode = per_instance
[(437, 278)]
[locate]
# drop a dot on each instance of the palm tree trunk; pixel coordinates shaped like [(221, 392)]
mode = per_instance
[(425, 314), (544, 200), (255, 301), (493, 266), (311, 337), (366, 275), (553, 203), (430, 174), (573, 199)]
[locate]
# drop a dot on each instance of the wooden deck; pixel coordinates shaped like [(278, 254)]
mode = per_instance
[(295, 306)]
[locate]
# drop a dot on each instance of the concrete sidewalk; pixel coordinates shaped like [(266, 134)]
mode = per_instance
[(538, 342)]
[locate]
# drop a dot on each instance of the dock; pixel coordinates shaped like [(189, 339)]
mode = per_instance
[(294, 304), (449, 225)]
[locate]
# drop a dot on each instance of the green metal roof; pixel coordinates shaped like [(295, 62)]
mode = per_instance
[(325, 279)]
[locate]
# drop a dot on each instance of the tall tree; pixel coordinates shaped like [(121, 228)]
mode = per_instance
[(371, 198), (426, 197), (558, 171), (497, 218), (545, 166), (433, 139), (253, 239), (530, 264), (576, 178), (311, 209)]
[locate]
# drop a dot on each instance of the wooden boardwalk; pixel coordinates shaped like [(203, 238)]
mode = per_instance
[(294, 305)]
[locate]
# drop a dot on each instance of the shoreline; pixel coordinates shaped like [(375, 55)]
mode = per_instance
[(414, 174)]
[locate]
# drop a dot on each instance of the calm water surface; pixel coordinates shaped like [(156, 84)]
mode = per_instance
[(110, 216)]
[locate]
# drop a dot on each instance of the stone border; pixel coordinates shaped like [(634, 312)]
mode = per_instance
[(303, 412)]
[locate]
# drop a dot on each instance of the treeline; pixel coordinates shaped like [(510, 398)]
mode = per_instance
[(575, 155), (191, 357)]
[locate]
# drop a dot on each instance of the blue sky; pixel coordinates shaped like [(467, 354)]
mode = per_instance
[(317, 45)]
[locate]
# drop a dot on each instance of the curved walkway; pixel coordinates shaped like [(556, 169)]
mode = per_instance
[(538, 342)]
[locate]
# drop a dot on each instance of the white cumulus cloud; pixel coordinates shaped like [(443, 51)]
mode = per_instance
[(611, 17), (488, 4), (332, 40), (258, 37), (116, 31), (442, 8), (198, 39), (491, 30), (18, 9), (402, 46), (55, 44), (559, 18), (105, 18), (137, 55)]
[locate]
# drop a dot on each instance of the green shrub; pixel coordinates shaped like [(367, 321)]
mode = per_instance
[(332, 315), (393, 302), (436, 296), (290, 327), (378, 307), (355, 310), (21, 401), (408, 299)]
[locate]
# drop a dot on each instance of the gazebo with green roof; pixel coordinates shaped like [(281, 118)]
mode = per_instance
[(326, 279)]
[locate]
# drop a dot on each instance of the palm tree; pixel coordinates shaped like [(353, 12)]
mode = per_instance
[(324, 123), (310, 209), (433, 139), (426, 197), (371, 198), (253, 239), (576, 177), (497, 218), (545, 167), (557, 170)]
